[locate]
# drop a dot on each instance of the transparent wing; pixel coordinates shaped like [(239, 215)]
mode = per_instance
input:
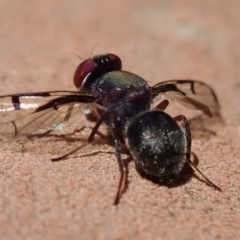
[(27, 113), (189, 93)]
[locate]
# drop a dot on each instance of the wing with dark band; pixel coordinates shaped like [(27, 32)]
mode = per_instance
[(26, 113), (189, 93)]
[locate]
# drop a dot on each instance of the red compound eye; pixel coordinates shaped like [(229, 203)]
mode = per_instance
[(82, 71), (116, 61)]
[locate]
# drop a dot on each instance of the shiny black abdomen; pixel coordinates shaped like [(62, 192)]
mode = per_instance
[(157, 144)]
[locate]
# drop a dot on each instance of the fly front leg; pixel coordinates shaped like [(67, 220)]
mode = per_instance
[(122, 166), (89, 141)]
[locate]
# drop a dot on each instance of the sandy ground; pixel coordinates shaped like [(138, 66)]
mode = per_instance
[(157, 40)]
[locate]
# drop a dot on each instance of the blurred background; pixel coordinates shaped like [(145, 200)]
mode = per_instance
[(158, 40)]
